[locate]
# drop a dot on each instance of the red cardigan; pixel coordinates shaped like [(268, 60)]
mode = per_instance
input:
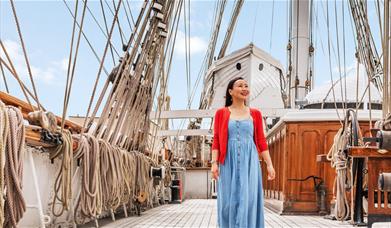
[(220, 135)]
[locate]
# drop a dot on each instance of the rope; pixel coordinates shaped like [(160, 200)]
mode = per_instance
[(63, 182), (343, 96), (330, 68), (15, 204), (101, 64), (111, 176), (25, 54), (4, 129), (85, 37), (271, 29), (70, 74), (13, 72), (4, 79), (348, 134), (90, 200), (339, 161), (107, 31), (231, 26)]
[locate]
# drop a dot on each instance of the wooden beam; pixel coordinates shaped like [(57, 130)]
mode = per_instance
[(207, 113), (362, 152), (321, 158), (185, 132), (183, 114), (33, 138), (26, 109)]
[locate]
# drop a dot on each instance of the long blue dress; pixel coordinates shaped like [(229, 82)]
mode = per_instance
[(240, 195)]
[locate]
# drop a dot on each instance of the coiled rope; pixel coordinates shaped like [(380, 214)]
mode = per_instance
[(15, 204), (348, 134), (339, 161), (90, 200), (4, 127), (63, 180)]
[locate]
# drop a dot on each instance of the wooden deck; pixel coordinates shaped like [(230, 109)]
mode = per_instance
[(203, 213)]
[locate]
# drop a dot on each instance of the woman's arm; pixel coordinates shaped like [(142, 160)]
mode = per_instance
[(215, 155), (271, 173), (215, 146), (265, 155)]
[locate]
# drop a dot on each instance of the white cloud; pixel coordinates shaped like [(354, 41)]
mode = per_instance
[(52, 72), (349, 68), (197, 44)]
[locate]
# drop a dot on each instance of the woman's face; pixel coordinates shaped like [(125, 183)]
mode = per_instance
[(240, 90)]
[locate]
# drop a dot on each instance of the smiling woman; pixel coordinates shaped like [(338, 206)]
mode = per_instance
[(238, 145)]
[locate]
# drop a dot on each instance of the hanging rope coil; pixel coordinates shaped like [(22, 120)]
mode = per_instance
[(15, 205), (63, 182), (348, 134), (111, 176), (4, 127), (90, 201)]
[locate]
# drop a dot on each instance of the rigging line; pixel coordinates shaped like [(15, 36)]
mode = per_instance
[(330, 68), (13, 72), (186, 52), (127, 17), (357, 79), (119, 27), (117, 21), (289, 53), (232, 23), (344, 52), (68, 88), (130, 12), (86, 38), (24, 88), (271, 29), (297, 53), (4, 79), (137, 43), (212, 44), (310, 57), (101, 65), (70, 55), (386, 56), (255, 21), (25, 54), (101, 29), (339, 57), (166, 49), (172, 51), (189, 41), (378, 13), (107, 31)]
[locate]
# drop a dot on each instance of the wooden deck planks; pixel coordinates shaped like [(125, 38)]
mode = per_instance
[(203, 213)]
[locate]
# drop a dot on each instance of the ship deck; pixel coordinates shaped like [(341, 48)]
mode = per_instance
[(203, 213)]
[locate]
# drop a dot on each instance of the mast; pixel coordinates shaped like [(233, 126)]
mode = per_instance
[(299, 52)]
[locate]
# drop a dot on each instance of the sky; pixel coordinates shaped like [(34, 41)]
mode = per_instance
[(47, 25)]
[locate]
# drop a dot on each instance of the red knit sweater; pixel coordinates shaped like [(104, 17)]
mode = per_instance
[(220, 135)]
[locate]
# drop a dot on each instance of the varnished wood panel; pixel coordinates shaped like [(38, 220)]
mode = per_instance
[(293, 148)]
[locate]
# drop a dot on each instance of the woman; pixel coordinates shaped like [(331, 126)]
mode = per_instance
[(238, 145)]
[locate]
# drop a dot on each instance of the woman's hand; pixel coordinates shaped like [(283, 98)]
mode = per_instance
[(271, 174), (215, 171)]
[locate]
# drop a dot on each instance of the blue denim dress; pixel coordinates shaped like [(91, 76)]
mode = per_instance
[(240, 194)]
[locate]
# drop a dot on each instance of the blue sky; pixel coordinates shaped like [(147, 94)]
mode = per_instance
[(47, 26)]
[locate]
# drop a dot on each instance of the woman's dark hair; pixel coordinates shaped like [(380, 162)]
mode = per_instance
[(228, 97)]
